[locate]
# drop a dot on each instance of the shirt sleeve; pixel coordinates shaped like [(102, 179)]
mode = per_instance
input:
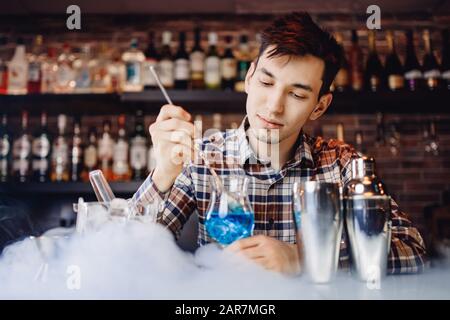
[(175, 206), (407, 253)]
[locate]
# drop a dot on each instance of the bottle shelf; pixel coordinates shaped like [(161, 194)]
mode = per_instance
[(211, 101), (64, 188)]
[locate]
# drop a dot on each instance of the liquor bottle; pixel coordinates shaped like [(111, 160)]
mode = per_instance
[(117, 72), (82, 70), (34, 66), (342, 80), (138, 148), (182, 71), (243, 57), (121, 168), (5, 149), (3, 66), (49, 72), (374, 70), (106, 150), (356, 64), (197, 59), (413, 71), (65, 77), (133, 59), (212, 64), (99, 65), (431, 70), (359, 143), (393, 67), (217, 121), (340, 132), (445, 65), (151, 59), (18, 70), (41, 152), (166, 65), (228, 65), (90, 157), (22, 152), (60, 153), (380, 139), (76, 154)]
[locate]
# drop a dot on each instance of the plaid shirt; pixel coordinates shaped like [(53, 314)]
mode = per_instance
[(270, 192)]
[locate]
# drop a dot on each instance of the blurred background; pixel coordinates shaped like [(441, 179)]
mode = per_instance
[(75, 100)]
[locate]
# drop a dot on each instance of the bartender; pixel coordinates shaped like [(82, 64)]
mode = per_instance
[(287, 86)]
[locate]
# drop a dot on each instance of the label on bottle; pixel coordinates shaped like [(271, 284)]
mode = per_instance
[(413, 74), (90, 157), (105, 148), (138, 153), (21, 166), (197, 61), (228, 68), (120, 164), (76, 154), (147, 77), (65, 76), (446, 75), (182, 69), (396, 81), (40, 165), (435, 73), (4, 147), (41, 147), (3, 167), (21, 148), (17, 77), (133, 72), (166, 72), (60, 154), (34, 71), (212, 74), (374, 82)]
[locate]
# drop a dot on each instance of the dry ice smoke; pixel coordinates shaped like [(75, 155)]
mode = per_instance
[(142, 261)]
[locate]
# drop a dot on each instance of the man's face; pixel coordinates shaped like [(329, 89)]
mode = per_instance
[(282, 95)]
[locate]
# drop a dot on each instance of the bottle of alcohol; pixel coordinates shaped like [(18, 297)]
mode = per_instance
[(197, 59), (182, 71), (340, 132), (18, 70), (22, 152), (217, 121), (380, 139), (342, 80), (431, 70), (3, 66), (166, 65), (65, 77), (393, 67), (356, 64), (228, 65), (82, 69), (359, 143), (413, 71), (117, 72), (151, 59), (106, 150), (41, 152), (121, 168), (90, 155), (244, 59), (49, 72), (133, 59), (100, 77), (212, 64), (374, 69), (60, 153), (445, 65), (34, 66), (5, 149), (76, 154), (138, 148)]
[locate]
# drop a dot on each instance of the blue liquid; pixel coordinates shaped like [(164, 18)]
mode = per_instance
[(235, 225)]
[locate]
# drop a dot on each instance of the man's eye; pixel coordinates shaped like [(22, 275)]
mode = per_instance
[(264, 83), (296, 96)]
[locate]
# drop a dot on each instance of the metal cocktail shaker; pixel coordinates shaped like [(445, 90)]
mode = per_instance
[(367, 216), (318, 220)]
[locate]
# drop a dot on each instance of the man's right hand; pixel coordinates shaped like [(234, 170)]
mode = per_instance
[(172, 136)]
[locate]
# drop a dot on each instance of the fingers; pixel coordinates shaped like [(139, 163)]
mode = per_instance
[(171, 111), (245, 243), (176, 124)]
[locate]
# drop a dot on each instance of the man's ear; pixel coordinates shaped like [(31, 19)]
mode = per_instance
[(322, 106), (249, 75)]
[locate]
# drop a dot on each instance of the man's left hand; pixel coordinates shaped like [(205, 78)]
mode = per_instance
[(270, 253)]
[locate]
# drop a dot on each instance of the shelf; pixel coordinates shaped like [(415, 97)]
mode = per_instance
[(64, 188), (210, 101)]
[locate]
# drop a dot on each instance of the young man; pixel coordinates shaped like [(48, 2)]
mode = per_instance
[(286, 86)]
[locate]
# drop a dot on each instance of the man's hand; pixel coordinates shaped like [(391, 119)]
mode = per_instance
[(270, 253), (172, 135)]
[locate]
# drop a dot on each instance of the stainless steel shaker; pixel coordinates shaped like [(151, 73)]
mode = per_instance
[(367, 216), (318, 219)]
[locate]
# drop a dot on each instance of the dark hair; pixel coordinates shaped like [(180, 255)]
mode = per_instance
[(296, 34)]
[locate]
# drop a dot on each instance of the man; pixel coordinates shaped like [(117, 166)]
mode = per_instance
[(286, 86)]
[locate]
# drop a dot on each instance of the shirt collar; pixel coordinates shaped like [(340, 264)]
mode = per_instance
[(302, 154)]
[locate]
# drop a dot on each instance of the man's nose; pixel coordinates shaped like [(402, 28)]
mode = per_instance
[(275, 103)]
